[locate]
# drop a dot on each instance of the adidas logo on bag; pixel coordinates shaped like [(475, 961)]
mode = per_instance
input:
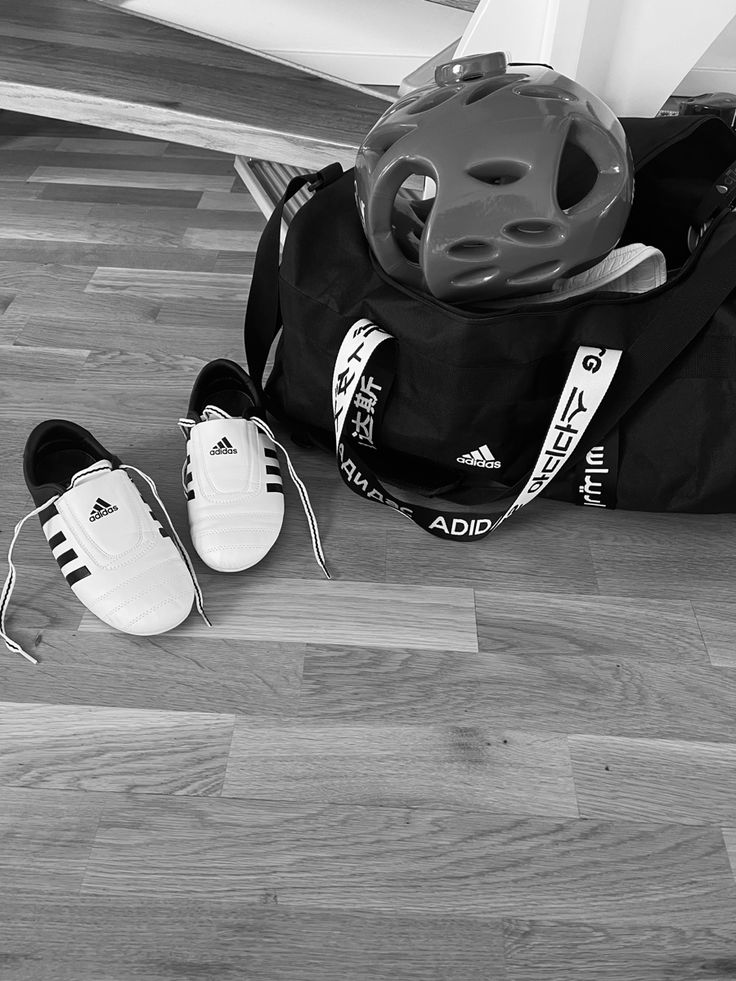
[(100, 509), (482, 457), (222, 446)]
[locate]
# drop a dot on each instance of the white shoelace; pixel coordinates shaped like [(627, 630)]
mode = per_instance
[(9, 584), (212, 411)]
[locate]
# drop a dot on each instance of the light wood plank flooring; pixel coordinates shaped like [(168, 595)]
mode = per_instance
[(513, 761)]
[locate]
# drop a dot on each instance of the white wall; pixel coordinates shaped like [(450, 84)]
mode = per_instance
[(654, 44), (374, 42), (633, 53)]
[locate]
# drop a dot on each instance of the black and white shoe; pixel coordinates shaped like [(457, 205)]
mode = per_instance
[(118, 559), (231, 475)]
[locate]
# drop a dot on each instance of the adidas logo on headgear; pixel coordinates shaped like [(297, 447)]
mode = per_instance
[(222, 446), (100, 509), (482, 457)]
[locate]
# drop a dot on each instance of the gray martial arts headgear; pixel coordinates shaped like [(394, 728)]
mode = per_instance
[(534, 181)]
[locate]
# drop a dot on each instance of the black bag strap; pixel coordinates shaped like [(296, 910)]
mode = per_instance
[(263, 313)]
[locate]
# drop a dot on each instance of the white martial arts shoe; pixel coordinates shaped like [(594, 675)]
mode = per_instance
[(231, 476), (118, 559)]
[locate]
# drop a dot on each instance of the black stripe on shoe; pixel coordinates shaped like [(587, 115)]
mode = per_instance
[(275, 488), (57, 539), (47, 514), (190, 495), (271, 454), (81, 573), (158, 524), (188, 477), (274, 471), (66, 557)]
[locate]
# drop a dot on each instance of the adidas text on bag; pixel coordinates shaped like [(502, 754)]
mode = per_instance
[(482, 457)]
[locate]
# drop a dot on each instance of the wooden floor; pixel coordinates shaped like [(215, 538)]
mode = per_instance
[(513, 761)]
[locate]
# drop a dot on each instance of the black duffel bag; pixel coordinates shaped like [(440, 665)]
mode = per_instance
[(606, 399)]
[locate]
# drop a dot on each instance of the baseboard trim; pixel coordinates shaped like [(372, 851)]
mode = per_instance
[(701, 80)]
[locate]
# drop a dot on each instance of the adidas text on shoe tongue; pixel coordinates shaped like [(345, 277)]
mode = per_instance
[(228, 457), (105, 511), (223, 446)]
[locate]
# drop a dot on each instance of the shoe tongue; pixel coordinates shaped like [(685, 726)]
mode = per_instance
[(231, 454), (104, 507), (211, 412), (92, 472)]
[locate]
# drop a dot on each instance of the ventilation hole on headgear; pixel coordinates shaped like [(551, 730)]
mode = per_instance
[(402, 103), (384, 138), (545, 92), (537, 275), (412, 187), (577, 173), (432, 99), (409, 216), (481, 89), (533, 231), (499, 172), (478, 277), (531, 227), (472, 250), (407, 241), (421, 207)]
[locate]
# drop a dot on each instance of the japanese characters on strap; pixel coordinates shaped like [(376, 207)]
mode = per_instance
[(360, 388)]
